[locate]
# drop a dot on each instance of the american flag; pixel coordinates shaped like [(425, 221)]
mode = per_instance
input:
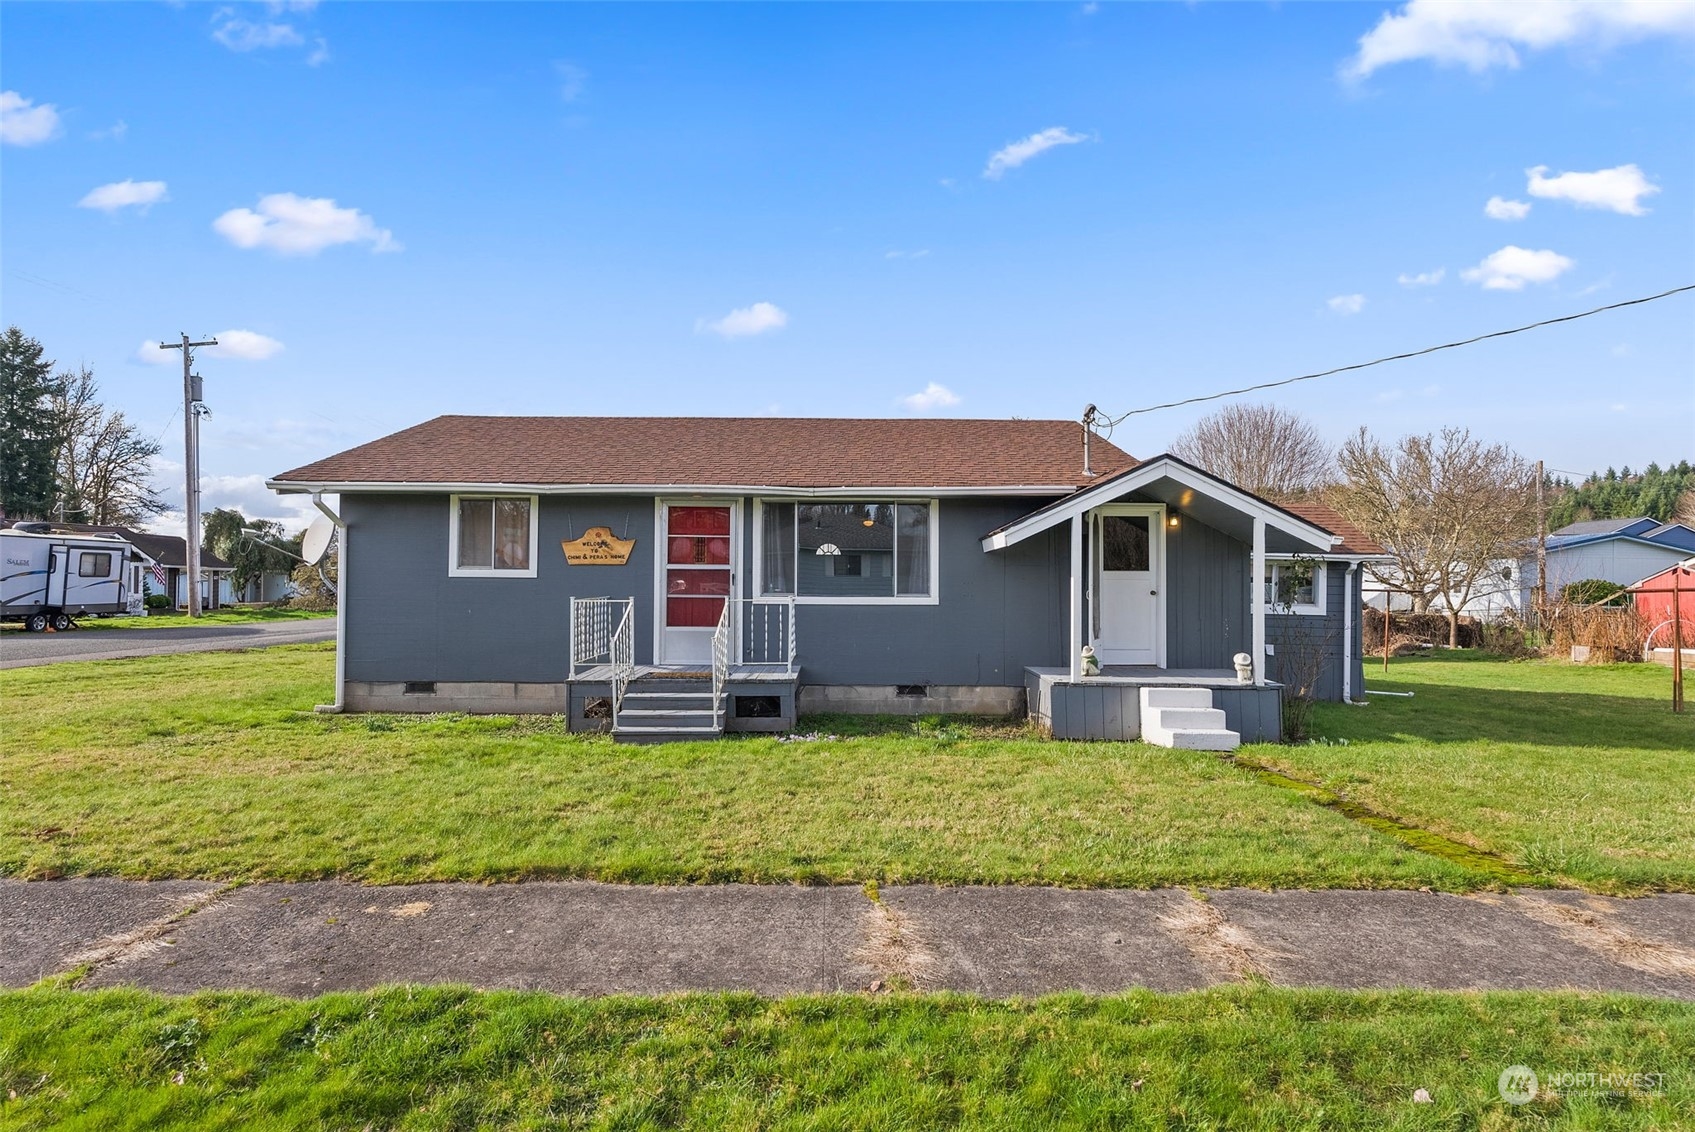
[(159, 574)]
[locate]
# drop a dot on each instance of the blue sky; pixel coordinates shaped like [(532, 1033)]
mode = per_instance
[(535, 208)]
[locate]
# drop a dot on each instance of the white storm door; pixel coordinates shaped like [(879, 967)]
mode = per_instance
[(1129, 543), (697, 573)]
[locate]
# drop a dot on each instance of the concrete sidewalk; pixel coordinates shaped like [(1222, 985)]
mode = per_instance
[(578, 937)]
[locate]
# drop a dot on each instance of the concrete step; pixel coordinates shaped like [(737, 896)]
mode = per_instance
[(669, 717), (1173, 719), (1203, 739), (1154, 696)]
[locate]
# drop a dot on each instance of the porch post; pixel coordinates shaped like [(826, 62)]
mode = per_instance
[(1256, 599), (1076, 637)]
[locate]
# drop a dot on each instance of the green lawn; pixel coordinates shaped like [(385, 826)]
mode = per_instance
[(1251, 1058), (213, 765), (213, 617), (1569, 771)]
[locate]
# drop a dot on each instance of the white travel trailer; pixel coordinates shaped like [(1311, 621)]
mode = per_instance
[(49, 578)]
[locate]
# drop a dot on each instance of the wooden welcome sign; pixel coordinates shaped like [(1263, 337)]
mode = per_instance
[(598, 547)]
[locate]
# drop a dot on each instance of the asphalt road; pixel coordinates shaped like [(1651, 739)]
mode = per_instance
[(21, 650)]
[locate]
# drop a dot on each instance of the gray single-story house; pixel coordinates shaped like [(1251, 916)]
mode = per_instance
[(668, 576)]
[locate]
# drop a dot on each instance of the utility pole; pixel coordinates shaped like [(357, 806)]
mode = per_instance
[(1541, 599), (191, 461)]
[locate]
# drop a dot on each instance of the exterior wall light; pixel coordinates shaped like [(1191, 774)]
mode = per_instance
[(1171, 520)]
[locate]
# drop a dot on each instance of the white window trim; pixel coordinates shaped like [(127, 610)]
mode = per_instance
[(454, 570), (934, 597), (1320, 590)]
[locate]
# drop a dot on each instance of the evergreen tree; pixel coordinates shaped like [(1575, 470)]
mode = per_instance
[(29, 427), (1623, 494)]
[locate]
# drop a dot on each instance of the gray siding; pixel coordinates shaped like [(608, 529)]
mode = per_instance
[(1293, 634), (1206, 578), (407, 620)]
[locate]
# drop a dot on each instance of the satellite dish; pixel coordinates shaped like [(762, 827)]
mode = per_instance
[(316, 540)]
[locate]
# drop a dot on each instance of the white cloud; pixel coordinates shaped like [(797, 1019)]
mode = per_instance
[(1512, 267), (1091, 8), (1482, 34), (148, 353), (1500, 208), (760, 318), (572, 80), (899, 254), (320, 53), (22, 122), (125, 194), (1018, 152), (244, 35), (933, 396), (1346, 304), (1423, 278), (246, 345), (114, 132), (1619, 189), (247, 494), (293, 225)]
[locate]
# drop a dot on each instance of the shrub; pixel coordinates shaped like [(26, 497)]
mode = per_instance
[(157, 601), (1591, 591)]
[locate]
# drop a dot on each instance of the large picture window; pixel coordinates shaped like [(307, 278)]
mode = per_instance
[(493, 536), (848, 550)]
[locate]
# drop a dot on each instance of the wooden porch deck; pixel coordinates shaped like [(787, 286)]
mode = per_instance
[(1146, 674)]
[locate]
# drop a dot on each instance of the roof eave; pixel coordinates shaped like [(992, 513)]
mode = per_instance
[(916, 491)]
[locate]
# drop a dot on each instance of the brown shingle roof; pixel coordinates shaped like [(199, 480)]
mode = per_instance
[(798, 452), (1354, 540)]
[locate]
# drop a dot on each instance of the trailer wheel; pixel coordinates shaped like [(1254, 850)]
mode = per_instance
[(36, 623), (61, 622)]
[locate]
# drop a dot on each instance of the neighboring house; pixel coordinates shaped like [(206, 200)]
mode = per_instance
[(1666, 597), (167, 556), (1613, 550), (609, 568), (1496, 593)]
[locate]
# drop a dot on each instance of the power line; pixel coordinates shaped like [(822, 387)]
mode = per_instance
[(1110, 422)]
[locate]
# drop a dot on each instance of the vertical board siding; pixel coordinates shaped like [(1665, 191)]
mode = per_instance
[(1293, 632), (1206, 596)]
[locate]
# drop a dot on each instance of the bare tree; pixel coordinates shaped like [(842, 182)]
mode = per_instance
[(1448, 507), (1262, 448), (104, 462), (1684, 512)]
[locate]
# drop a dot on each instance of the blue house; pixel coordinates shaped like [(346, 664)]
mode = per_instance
[(678, 577)]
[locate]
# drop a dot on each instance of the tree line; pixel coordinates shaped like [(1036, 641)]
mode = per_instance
[(63, 454), (1660, 493)]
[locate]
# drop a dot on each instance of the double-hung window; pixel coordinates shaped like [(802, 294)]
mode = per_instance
[(843, 550), (492, 536), (1295, 587)]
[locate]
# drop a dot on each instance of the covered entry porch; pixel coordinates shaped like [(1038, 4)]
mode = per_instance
[(1165, 588)]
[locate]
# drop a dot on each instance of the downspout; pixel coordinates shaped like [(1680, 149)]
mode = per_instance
[(340, 704), (1348, 596)]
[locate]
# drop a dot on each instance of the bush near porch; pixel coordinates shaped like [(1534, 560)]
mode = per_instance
[(213, 765)]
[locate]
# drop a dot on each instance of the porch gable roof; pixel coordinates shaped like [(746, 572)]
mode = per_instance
[(1149, 473)]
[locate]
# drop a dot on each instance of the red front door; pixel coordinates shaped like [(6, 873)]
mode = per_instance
[(699, 565)]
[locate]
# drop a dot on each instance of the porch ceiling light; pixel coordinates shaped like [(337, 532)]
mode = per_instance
[(1171, 520)]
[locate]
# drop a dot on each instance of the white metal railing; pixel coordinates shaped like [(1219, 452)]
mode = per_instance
[(721, 661), (623, 649), (603, 635), (767, 630)]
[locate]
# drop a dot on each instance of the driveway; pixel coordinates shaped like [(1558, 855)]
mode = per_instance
[(21, 650)]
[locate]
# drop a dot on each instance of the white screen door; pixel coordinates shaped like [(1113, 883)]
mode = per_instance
[(699, 570), (1128, 545)]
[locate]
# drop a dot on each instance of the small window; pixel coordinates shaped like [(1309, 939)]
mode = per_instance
[(493, 535), (1295, 587), (94, 564)]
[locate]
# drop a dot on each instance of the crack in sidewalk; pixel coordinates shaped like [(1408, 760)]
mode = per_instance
[(144, 939), (1594, 930), (894, 947), (1217, 944)]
